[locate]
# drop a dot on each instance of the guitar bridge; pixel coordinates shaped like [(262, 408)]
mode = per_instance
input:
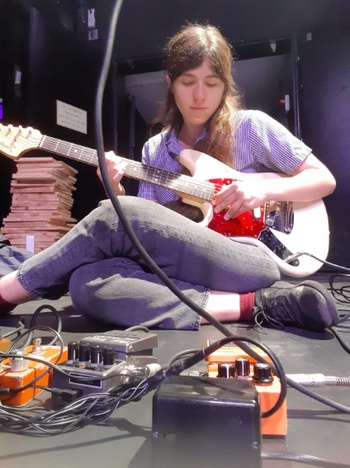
[(268, 238), (279, 216)]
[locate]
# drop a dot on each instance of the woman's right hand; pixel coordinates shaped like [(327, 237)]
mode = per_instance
[(116, 170)]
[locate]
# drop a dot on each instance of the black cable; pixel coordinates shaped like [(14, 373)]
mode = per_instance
[(300, 388), (97, 407), (340, 340), (177, 368), (330, 264), (106, 409), (34, 358), (306, 459), (182, 354), (65, 394), (16, 331), (109, 189), (90, 409), (128, 228), (341, 294), (30, 331), (34, 319), (117, 206)]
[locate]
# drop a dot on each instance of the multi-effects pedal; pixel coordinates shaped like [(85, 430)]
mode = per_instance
[(99, 363)]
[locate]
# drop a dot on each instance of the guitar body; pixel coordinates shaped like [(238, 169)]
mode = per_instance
[(290, 233), (309, 233)]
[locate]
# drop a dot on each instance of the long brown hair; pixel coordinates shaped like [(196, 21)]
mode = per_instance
[(187, 50)]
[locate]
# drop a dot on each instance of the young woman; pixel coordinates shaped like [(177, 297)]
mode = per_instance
[(105, 275)]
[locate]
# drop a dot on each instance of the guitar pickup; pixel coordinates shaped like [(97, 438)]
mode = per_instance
[(256, 213)]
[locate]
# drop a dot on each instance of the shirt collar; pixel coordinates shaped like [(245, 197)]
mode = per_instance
[(173, 145)]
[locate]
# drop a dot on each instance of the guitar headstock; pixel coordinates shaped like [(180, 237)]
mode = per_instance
[(15, 141)]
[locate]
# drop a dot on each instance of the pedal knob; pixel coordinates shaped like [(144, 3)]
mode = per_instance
[(226, 370), (96, 354), (262, 373), (242, 367), (73, 350), (108, 356), (84, 352)]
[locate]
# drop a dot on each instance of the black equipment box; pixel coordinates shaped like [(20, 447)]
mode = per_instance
[(201, 422)]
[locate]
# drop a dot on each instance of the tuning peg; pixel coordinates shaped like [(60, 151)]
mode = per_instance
[(9, 128)]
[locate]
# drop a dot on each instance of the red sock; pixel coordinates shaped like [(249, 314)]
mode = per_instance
[(5, 307), (247, 302)]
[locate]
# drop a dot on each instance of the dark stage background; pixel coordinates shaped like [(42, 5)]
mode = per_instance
[(52, 50)]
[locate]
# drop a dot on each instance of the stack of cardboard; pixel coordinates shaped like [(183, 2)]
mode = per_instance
[(41, 203)]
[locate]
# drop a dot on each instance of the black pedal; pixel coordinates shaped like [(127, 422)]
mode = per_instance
[(99, 363), (202, 423), (88, 379), (124, 342)]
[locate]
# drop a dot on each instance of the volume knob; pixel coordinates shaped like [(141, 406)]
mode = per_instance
[(262, 373), (226, 370)]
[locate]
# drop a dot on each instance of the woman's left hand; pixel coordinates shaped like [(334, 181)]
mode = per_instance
[(116, 170)]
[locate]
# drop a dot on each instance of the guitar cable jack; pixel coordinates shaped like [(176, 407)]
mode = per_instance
[(319, 380)]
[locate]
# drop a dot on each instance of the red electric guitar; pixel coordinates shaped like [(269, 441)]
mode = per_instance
[(291, 233)]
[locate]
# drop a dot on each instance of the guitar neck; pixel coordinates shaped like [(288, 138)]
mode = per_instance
[(183, 185), (69, 150)]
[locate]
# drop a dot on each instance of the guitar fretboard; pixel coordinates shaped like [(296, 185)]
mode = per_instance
[(70, 150), (179, 183)]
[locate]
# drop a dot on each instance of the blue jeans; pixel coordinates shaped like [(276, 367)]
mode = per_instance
[(109, 281)]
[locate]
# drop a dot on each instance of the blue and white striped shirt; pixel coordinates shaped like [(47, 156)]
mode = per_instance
[(262, 145)]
